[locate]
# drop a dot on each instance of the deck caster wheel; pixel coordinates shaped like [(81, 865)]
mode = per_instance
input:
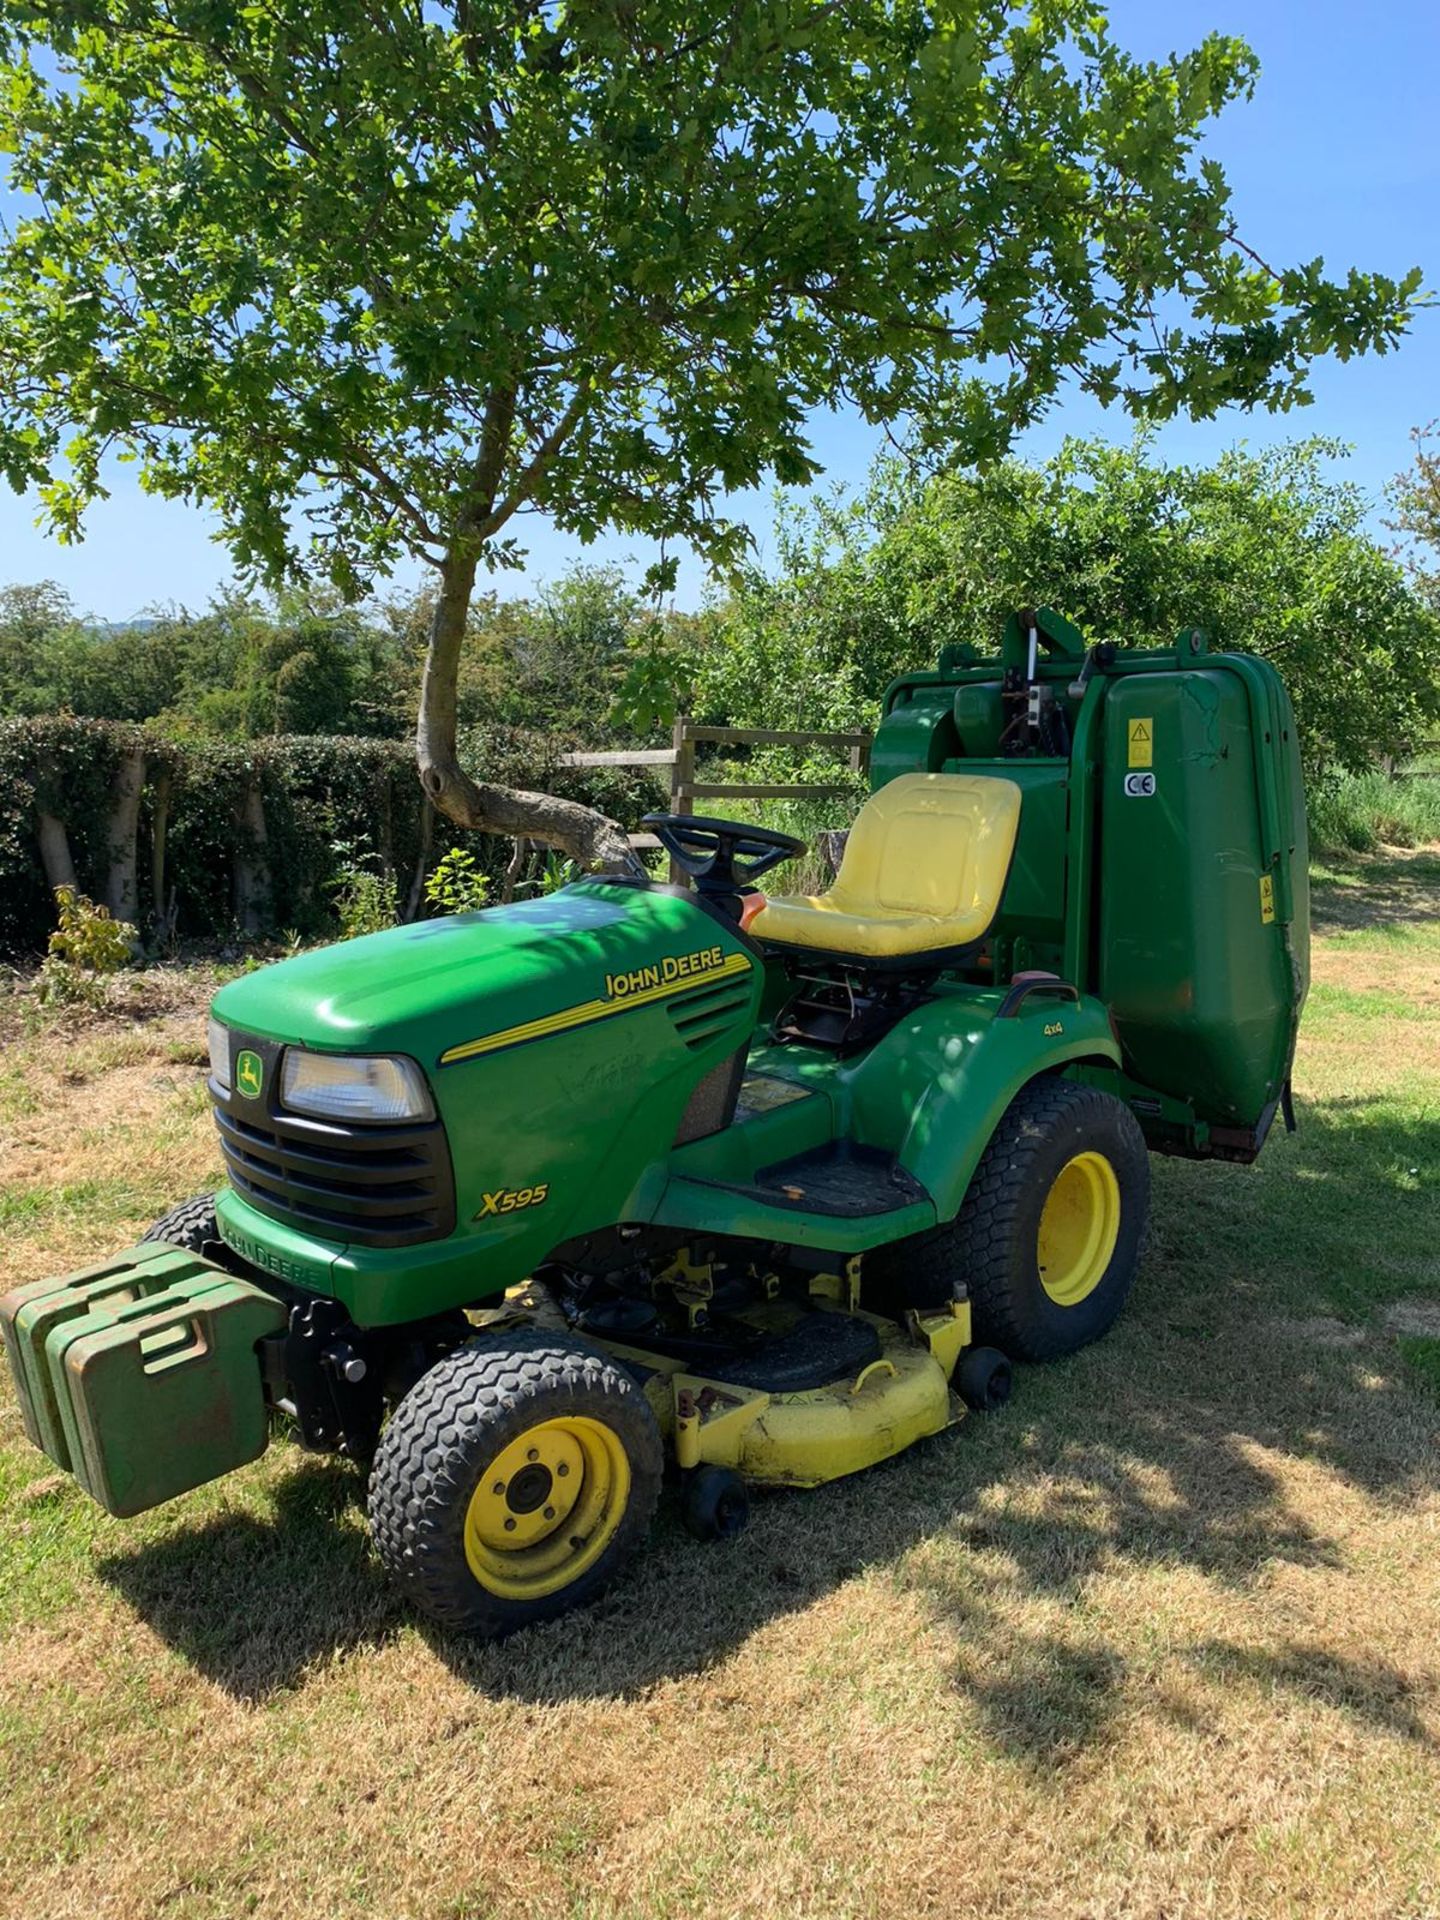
[(715, 1505), (984, 1379)]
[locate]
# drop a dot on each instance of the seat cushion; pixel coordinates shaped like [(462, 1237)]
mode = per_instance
[(924, 871)]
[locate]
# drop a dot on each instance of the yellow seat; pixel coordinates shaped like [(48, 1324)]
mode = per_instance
[(924, 870)]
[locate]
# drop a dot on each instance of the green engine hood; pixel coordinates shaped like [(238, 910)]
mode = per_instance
[(563, 1040), (440, 985)]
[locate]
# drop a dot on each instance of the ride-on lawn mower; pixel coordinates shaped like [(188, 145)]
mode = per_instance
[(522, 1200)]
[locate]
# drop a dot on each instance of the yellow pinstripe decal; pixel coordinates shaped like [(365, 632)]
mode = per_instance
[(589, 1010)]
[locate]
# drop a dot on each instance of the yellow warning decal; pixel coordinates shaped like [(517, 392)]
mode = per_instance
[(1142, 743), (1267, 898)]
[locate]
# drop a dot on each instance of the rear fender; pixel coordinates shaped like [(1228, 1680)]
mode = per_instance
[(935, 1088)]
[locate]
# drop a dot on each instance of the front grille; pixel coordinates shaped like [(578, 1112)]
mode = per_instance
[(369, 1186)]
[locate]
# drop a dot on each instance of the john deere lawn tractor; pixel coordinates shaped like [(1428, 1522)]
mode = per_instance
[(525, 1204)]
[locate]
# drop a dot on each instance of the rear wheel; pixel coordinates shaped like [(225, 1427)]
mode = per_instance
[(513, 1481), (1050, 1233)]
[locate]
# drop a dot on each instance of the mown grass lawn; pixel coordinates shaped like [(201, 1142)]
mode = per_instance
[(1162, 1639)]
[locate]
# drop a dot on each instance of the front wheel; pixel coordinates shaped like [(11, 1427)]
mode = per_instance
[(192, 1225), (1049, 1237), (513, 1481)]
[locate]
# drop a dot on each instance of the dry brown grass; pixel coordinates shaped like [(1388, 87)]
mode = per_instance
[(100, 1117), (1158, 1641)]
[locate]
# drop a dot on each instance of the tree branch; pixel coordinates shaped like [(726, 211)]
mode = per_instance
[(542, 458), (586, 836)]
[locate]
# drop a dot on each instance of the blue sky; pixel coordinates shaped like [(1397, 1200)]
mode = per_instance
[(1338, 155)]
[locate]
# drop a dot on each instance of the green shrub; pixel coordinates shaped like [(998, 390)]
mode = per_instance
[(457, 885), (89, 936), (1272, 553), (365, 902), (555, 872), (88, 944)]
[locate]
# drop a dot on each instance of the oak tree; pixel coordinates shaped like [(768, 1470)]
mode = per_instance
[(382, 277)]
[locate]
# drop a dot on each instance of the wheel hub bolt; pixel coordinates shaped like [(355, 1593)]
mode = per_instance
[(549, 1513), (509, 1526)]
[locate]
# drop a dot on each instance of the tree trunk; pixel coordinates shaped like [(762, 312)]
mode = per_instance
[(422, 865), (55, 852), (252, 868), (159, 828), (588, 837), (387, 826), (514, 867), (122, 891)]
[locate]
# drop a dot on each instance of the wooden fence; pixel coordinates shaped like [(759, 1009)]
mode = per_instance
[(686, 787)]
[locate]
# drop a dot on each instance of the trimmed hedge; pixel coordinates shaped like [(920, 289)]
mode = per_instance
[(329, 803)]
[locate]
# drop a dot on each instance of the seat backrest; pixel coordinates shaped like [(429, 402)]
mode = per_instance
[(931, 843)]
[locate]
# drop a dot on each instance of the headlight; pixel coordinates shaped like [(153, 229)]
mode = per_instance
[(348, 1086), (220, 1053)]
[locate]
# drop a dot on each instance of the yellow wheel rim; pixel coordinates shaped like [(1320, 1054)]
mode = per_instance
[(1078, 1229), (547, 1507)]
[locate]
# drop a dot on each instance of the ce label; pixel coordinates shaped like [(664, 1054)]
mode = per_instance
[(1139, 786)]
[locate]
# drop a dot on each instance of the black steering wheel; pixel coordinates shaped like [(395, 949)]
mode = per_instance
[(721, 856)]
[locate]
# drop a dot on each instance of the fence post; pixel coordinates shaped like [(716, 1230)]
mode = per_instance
[(682, 778)]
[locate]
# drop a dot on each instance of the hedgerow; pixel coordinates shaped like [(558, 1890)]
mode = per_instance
[(331, 806)]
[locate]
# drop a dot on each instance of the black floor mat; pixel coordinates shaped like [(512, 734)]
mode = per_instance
[(840, 1179)]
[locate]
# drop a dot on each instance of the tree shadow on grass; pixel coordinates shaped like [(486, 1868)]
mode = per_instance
[(1141, 1453), (1367, 1689), (1047, 1702), (1371, 892), (1045, 1497), (1188, 1486), (978, 1526)]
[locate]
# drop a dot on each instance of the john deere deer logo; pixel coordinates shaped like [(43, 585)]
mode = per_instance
[(249, 1074)]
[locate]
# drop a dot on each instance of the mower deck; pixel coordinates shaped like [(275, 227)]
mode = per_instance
[(771, 1417)]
